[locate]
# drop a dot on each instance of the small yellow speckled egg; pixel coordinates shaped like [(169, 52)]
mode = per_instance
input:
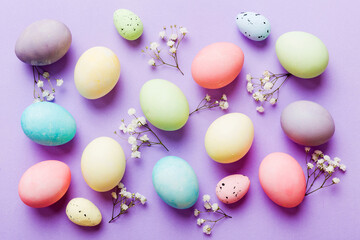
[(229, 137), (103, 164), (83, 212), (96, 72)]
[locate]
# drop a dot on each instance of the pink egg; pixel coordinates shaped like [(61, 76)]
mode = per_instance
[(217, 65), (232, 188), (282, 179), (44, 183)]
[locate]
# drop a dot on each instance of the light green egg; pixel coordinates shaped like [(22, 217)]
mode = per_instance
[(128, 24), (302, 54), (164, 104)]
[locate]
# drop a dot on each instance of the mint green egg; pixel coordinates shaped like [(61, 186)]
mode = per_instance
[(164, 104), (128, 24), (302, 54)]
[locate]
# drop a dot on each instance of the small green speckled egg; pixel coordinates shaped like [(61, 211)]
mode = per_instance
[(128, 24)]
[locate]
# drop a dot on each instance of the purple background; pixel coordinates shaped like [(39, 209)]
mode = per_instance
[(328, 214)]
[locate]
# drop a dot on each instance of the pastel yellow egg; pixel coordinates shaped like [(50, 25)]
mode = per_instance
[(229, 137), (103, 164), (96, 72)]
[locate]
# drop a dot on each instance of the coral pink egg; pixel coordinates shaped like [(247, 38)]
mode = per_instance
[(282, 179), (44, 183), (232, 188), (217, 65)]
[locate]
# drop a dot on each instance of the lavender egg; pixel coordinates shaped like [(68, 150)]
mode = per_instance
[(43, 42), (307, 123)]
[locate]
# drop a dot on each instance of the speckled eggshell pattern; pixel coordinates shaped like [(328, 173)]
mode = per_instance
[(96, 72), (232, 188), (175, 182), (307, 123), (253, 25), (282, 179), (217, 65), (302, 54), (83, 212), (44, 183), (128, 24), (43, 42), (48, 124)]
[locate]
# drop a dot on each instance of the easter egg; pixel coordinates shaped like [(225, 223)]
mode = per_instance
[(83, 212), (175, 182), (44, 183), (229, 137), (43, 42), (232, 188), (217, 65), (302, 54), (282, 179), (128, 24), (307, 123), (96, 72), (254, 26), (164, 104), (103, 164), (48, 124)]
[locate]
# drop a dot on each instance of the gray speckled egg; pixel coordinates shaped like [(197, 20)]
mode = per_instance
[(307, 123), (253, 25), (128, 24)]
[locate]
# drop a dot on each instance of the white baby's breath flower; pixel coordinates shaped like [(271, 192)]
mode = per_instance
[(50, 97), (215, 207), (207, 205), (336, 159), (342, 167), (249, 87), (143, 200), (314, 157), (196, 212), (136, 154), (154, 45), (46, 75), (248, 77), (59, 82), (114, 195), (330, 169), (273, 101), (134, 147), (124, 207), (258, 96), (162, 34), (138, 195), (268, 86), (260, 109), (144, 138), (206, 198), (335, 180), (174, 36), (307, 149), (36, 100), (310, 165), (170, 43), (327, 158), (207, 229), (151, 62), (131, 128), (45, 93), (224, 97), (131, 140), (172, 50), (40, 84), (121, 185), (207, 98), (265, 80), (318, 152), (183, 30), (200, 221), (266, 73), (131, 111), (224, 105), (128, 195), (123, 127), (123, 191)]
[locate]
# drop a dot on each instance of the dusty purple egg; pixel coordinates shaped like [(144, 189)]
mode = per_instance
[(307, 123), (43, 42)]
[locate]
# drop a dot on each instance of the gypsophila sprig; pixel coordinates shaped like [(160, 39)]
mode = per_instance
[(209, 208), (41, 93), (137, 131), (172, 36), (266, 88), (321, 166), (124, 200), (208, 103)]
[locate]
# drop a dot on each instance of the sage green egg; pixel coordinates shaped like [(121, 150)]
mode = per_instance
[(302, 54), (128, 24), (164, 104)]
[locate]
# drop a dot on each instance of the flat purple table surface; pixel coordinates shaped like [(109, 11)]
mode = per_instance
[(328, 214)]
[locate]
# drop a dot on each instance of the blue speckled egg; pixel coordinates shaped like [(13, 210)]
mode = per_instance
[(253, 25), (48, 124), (175, 182)]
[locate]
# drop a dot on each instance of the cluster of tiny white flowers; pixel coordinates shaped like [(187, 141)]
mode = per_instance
[(173, 39), (137, 130), (126, 200), (207, 103), (321, 165), (40, 92), (209, 208), (263, 89)]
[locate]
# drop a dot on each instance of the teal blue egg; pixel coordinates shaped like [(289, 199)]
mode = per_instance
[(48, 124), (175, 182)]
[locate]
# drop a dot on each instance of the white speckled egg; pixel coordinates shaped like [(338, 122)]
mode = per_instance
[(253, 25), (232, 188), (83, 212)]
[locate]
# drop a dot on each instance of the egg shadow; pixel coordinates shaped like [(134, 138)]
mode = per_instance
[(58, 151), (183, 213), (172, 136), (132, 43), (256, 44)]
